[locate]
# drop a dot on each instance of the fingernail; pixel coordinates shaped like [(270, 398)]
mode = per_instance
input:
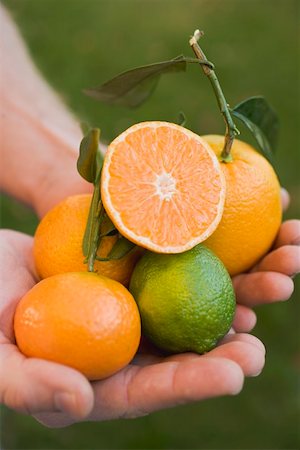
[(65, 402), (256, 374)]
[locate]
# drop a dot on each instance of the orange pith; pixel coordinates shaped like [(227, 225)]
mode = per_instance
[(252, 211), (81, 320), (162, 186)]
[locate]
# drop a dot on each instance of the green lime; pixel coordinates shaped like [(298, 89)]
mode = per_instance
[(186, 301)]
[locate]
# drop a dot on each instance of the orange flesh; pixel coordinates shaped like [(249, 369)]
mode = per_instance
[(163, 187)]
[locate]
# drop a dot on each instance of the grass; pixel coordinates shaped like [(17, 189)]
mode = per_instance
[(81, 43)]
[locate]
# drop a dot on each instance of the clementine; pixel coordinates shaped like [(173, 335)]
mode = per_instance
[(252, 212), (58, 243), (83, 320)]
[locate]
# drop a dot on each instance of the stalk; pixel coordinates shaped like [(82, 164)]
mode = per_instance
[(231, 129)]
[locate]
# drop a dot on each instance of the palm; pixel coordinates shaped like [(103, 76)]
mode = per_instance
[(152, 381)]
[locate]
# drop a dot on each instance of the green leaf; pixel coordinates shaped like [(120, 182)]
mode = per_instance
[(88, 160), (259, 117), (133, 87), (181, 119), (121, 248), (92, 229)]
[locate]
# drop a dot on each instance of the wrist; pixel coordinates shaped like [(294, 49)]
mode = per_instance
[(57, 179)]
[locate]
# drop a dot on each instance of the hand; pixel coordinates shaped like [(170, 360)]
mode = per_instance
[(271, 279), (58, 395), (151, 382), (31, 385)]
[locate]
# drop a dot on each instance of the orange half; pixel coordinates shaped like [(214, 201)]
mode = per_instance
[(163, 187)]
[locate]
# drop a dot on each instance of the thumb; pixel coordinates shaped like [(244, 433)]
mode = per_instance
[(32, 385)]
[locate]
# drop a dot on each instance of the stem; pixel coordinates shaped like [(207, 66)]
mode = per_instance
[(231, 129)]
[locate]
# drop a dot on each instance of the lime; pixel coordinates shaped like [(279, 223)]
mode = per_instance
[(186, 301)]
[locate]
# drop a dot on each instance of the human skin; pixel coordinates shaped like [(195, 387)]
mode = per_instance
[(39, 141)]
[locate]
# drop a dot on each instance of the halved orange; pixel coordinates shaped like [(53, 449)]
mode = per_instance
[(162, 186)]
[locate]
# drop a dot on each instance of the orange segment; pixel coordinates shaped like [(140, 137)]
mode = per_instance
[(163, 187)]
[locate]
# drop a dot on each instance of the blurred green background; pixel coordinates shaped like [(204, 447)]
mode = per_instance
[(254, 44)]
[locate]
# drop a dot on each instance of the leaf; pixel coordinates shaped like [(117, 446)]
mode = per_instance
[(88, 160), (92, 226), (133, 87), (259, 117), (121, 248), (181, 119)]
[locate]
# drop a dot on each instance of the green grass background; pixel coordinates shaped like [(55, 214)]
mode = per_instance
[(254, 44)]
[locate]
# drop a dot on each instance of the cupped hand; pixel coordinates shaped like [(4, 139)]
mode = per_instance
[(153, 382), (58, 395)]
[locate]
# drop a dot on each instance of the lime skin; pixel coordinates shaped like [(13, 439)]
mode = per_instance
[(186, 301)]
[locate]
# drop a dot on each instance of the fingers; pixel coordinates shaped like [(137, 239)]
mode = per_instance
[(262, 287), (137, 391), (190, 378), (180, 379), (285, 260), (244, 337), (245, 350), (16, 246), (285, 199), (15, 258), (289, 233), (32, 385), (147, 389), (269, 280), (27, 384), (244, 319), (238, 348)]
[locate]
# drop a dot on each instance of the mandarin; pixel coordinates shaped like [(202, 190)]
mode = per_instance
[(252, 212), (58, 243), (82, 320)]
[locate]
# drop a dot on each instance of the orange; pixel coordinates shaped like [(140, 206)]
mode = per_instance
[(81, 320), (162, 186), (58, 243), (252, 212)]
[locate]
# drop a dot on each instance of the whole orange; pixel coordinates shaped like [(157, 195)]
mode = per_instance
[(252, 212), (83, 320), (58, 243)]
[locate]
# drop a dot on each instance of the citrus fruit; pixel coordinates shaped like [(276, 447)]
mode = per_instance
[(83, 320), (58, 243), (186, 301), (252, 212), (162, 187)]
